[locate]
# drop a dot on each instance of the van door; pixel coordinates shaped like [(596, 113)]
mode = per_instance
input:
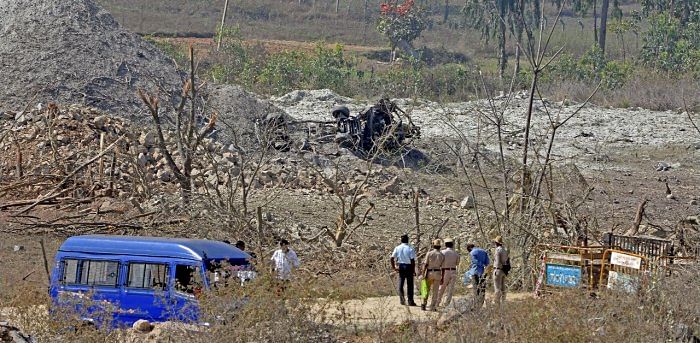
[(145, 294), (188, 283), (98, 279)]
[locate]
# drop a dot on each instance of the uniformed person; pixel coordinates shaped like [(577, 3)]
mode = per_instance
[(432, 272), (449, 272), (499, 276)]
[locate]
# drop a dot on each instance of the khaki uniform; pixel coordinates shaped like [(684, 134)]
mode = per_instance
[(449, 276), (433, 262), (499, 277)]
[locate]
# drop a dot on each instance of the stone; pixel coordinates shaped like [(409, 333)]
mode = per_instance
[(141, 160), (17, 248), (22, 118), (693, 202), (100, 121), (164, 175), (670, 197), (147, 139), (142, 326), (467, 202), (663, 166), (391, 187), (62, 138)]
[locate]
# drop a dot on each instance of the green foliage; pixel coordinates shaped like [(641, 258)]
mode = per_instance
[(591, 67), (671, 46)]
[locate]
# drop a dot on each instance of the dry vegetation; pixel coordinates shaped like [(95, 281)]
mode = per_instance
[(68, 170)]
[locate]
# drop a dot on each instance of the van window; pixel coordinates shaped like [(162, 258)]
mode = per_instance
[(90, 272), (70, 271), (99, 273), (188, 279), (147, 275)]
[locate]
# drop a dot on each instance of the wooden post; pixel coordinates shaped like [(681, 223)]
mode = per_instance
[(46, 261), (416, 209), (111, 173), (258, 215), (18, 161), (101, 168), (221, 29)]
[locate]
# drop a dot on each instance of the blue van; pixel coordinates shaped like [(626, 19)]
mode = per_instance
[(151, 278)]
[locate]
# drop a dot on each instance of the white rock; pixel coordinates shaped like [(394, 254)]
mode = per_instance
[(142, 326), (148, 139), (467, 202)]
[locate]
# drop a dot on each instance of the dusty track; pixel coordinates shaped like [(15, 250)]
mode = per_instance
[(272, 45)]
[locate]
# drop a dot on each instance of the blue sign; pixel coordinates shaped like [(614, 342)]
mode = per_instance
[(560, 275)]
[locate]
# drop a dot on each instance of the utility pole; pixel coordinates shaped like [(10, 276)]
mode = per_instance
[(221, 29)]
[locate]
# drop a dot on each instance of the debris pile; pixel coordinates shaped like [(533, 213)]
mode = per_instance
[(9, 333), (73, 51), (83, 160)]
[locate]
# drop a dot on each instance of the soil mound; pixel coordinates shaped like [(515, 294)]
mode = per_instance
[(73, 51)]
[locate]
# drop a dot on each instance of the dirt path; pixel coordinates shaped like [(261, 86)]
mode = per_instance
[(272, 45), (379, 312)]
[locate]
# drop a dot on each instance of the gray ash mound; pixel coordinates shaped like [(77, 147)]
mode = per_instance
[(73, 51)]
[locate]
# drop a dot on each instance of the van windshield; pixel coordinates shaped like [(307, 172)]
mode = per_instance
[(188, 279)]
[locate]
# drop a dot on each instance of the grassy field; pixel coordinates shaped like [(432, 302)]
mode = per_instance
[(287, 20), (297, 25)]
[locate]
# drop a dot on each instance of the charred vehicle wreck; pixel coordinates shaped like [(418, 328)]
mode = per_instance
[(381, 127)]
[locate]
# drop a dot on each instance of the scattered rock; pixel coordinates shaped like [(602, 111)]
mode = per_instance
[(670, 197), (693, 202), (467, 203), (17, 248), (164, 175), (663, 166), (100, 121), (142, 326), (148, 139), (391, 187)]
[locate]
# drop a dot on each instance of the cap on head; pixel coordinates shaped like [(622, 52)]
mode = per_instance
[(437, 243), (498, 240), (449, 240)]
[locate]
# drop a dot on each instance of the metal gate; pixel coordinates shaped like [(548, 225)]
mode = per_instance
[(623, 271)]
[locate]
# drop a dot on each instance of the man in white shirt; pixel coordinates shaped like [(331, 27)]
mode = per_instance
[(283, 260), (403, 260)]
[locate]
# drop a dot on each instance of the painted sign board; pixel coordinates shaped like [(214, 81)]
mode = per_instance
[(559, 275), (623, 282), (625, 260), (565, 257)]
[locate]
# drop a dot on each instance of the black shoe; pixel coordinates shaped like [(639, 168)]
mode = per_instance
[(422, 307), (412, 304), (402, 302)]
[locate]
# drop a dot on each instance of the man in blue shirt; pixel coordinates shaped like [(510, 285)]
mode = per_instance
[(403, 260), (475, 275)]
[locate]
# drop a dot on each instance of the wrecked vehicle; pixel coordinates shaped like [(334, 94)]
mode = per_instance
[(381, 126), (125, 279)]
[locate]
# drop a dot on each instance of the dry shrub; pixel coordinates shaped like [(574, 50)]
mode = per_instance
[(667, 311), (643, 89)]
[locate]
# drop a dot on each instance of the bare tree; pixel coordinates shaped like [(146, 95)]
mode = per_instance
[(188, 136)]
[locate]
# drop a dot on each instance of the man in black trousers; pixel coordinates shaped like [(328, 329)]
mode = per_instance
[(403, 260)]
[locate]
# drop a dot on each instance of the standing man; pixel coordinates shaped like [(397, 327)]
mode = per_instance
[(499, 275), (449, 271), (479, 261), (283, 260), (432, 271), (403, 260)]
